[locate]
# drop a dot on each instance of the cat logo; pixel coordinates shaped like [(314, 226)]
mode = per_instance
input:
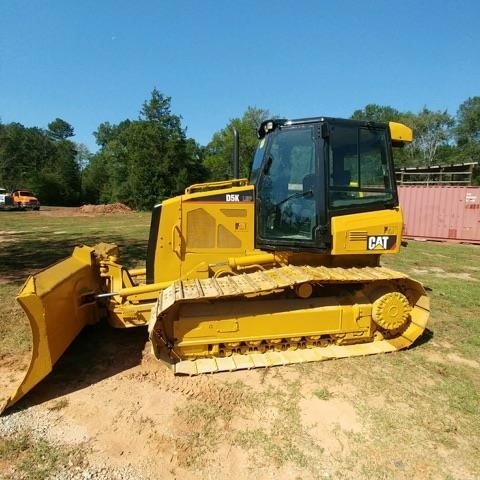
[(381, 242)]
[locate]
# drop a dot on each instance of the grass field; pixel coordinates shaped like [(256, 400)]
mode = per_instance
[(408, 415)]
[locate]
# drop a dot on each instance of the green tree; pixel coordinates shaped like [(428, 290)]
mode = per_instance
[(32, 158), (157, 110), (60, 129), (432, 131), (23, 155), (219, 152), (105, 132), (83, 156), (96, 180), (143, 161), (377, 113), (467, 131)]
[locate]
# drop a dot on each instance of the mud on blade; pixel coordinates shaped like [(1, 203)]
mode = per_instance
[(59, 301)]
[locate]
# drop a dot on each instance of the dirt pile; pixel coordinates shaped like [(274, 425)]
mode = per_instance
[(106, 209)]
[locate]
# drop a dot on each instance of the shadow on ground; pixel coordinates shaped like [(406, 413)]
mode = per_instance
[(99, 352), (26, 256), (424, 338)]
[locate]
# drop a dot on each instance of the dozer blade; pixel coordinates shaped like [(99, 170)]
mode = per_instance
[(59, 301)]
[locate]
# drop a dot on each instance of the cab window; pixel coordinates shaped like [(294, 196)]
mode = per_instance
[(287, 184), (358, 167)]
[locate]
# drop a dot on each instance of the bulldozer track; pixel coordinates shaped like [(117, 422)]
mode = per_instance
[(267, 281), (277, 279)]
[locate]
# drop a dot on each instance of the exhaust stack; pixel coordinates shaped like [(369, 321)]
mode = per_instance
[(236, 154)]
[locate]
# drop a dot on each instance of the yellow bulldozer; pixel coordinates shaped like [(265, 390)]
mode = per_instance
[(280, 268)]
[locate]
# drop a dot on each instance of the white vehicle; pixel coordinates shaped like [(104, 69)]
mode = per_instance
[(6, 202)]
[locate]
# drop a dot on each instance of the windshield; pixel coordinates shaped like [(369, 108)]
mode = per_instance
[(359, 170), (286, 185)]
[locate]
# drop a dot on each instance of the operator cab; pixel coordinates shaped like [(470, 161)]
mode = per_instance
[(308, 171)]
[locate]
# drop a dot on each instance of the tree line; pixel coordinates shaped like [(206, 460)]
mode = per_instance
[(143, 161)]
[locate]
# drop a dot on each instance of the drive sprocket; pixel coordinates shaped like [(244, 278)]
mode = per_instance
[(391, 310)]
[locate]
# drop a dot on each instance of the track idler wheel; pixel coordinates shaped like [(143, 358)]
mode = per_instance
[(391, 310)]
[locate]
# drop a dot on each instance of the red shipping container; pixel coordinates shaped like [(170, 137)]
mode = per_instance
[(441, 212)]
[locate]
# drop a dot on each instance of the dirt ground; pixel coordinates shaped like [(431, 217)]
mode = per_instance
[(86, 210), (110, 397)]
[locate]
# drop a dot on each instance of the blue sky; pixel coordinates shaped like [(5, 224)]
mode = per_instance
[(89, 62)]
